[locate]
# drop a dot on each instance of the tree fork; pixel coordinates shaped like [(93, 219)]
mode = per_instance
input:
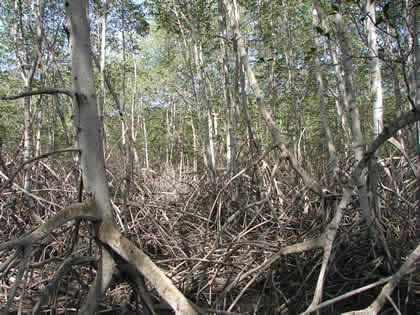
[(89, 135)]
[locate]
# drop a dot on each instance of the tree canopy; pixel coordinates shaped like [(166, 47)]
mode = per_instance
[(226, 157)]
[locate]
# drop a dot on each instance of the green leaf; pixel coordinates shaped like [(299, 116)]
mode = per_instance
[(335, 7), (379, 20), (319, 30), (386, 9)]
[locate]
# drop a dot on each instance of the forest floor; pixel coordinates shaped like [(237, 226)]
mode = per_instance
[(206, 236)]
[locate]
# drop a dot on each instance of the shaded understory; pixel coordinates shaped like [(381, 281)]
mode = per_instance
[(206, 235)]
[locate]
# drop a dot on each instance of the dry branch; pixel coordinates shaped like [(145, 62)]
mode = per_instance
[(328, 237), (37, 158), (386, 291), (28, 193), (37, 92), (84, 210)]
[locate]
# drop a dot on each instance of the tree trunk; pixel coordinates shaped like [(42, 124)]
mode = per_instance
[(102, 92), (28, 138), (353, 115), (294, 124), (203, 95), (233, 12), (376, 100), (339, 99), (87, 124), (145, 136), (227, 93), (133, 129), (332, 165)]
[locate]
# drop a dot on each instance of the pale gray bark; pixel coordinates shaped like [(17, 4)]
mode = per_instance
[(339, 99), (203, 91), (86, 119), (375, 71), (145, 136), (102, 57), (242, 96), (353, 116), (186, 52), (106, 269), (28, 69), (233, 13), (208, 128), (87, 124), (227, 93), (51, 134), (199, 85), (376, 100), (133, 129), (332, 165), (195, 143)]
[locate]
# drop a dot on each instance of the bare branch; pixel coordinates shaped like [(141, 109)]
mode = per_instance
[(106, 269), (135, 256), (28, 193), (39, 157), (84, 210), (37, 92), (386, 291), (53, 283)]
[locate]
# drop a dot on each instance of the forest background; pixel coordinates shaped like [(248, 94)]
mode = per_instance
[(226, 157)]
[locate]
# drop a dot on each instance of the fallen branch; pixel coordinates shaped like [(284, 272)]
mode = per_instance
[(133, 255), (54, 282), (84, 210), (37, 158), (28, 193), (386, 291), (326, 240)]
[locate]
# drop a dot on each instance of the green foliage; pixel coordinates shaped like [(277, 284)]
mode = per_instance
[(166, 79)]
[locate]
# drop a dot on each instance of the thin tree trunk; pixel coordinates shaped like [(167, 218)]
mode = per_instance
[(133, 132), (332, 165), (414, 23), (353, 116), (59, 111), (187, 60), (241, 97), (28, 138), (227, 93), (87, 124), (203, 95), (376, 100), (294, 125), (28, 70), (396, 87), (102, 57), (145, 137), (195, 144), (233, 12), (341, 91), (208, 128), (38, 134)]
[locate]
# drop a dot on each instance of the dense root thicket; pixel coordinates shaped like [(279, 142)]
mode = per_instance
[(207, 236)]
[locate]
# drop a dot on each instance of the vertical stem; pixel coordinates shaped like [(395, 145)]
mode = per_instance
[(353, 113), (332, 167), (376, 100)]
